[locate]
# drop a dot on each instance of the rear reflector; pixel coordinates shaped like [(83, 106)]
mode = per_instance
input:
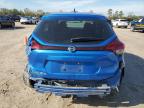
[(25, 40)]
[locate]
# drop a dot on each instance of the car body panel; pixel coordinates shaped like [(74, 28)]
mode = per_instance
[(96, 65), (82, 65), (72, 16)]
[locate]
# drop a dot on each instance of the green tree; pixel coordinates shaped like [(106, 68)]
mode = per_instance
[(39, 13), (4, 11), (110, 13), (15, 12), (121, 14), (28, 12), (116, 15), (21, 13)]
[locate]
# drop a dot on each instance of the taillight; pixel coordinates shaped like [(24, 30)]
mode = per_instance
[(116, 46), (35, 45)]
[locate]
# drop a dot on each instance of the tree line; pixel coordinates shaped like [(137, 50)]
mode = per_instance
[(120, 14), (25, 12)]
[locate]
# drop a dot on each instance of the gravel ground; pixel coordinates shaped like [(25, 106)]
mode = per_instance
[(14, 94)]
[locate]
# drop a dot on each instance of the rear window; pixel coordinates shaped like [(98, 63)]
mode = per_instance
[(4, 17), (63, 31)]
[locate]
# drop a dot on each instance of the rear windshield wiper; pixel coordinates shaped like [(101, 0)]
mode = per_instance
[(86, 39)]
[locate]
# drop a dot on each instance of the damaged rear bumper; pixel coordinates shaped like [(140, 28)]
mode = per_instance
[(103, 89), (59, 90)]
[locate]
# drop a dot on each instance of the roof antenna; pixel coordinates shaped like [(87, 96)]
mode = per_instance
[(74, 10)]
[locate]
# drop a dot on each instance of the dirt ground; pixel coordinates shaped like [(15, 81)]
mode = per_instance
[(14, 94)]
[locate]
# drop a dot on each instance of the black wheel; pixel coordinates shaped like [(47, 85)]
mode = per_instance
[(66, 96), (117, 26), (27, 81), (0, 26), (132, 28), (13, 25)]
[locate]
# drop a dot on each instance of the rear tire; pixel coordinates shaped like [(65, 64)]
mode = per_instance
[(13, 25), (117, 26), (0, 26), (132, 28), (67, 96)]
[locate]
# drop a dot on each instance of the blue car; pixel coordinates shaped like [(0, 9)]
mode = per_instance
[(76, 54)]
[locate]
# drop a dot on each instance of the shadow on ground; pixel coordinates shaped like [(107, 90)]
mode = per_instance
[(9, 28), (132, 89)]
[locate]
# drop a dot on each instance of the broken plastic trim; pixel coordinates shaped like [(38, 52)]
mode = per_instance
[(59, 90)]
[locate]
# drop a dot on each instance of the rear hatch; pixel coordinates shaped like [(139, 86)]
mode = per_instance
[(79, 65), (124, 22), (76, 50)]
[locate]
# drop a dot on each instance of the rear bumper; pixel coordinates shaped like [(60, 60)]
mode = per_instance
[(139, 28), (25, 21), (79, 91), (122, 25), (103, 89)]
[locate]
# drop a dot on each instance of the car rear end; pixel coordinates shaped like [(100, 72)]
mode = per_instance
[(139, 25), (123, 23), (5, 21), (25, 20), (74, 54)]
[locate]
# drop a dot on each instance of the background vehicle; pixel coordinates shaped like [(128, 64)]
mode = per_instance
[(120, 23), (28, 20), (137, 25), (132, 22), (74, 54), (6, 22), (25, 20), (14, 17), (35, 20)]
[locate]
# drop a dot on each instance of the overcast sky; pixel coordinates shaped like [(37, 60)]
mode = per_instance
[(98, 6)]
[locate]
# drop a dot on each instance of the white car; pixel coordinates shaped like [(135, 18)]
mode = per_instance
[(28, 20), (35, 20), (120, 23)]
